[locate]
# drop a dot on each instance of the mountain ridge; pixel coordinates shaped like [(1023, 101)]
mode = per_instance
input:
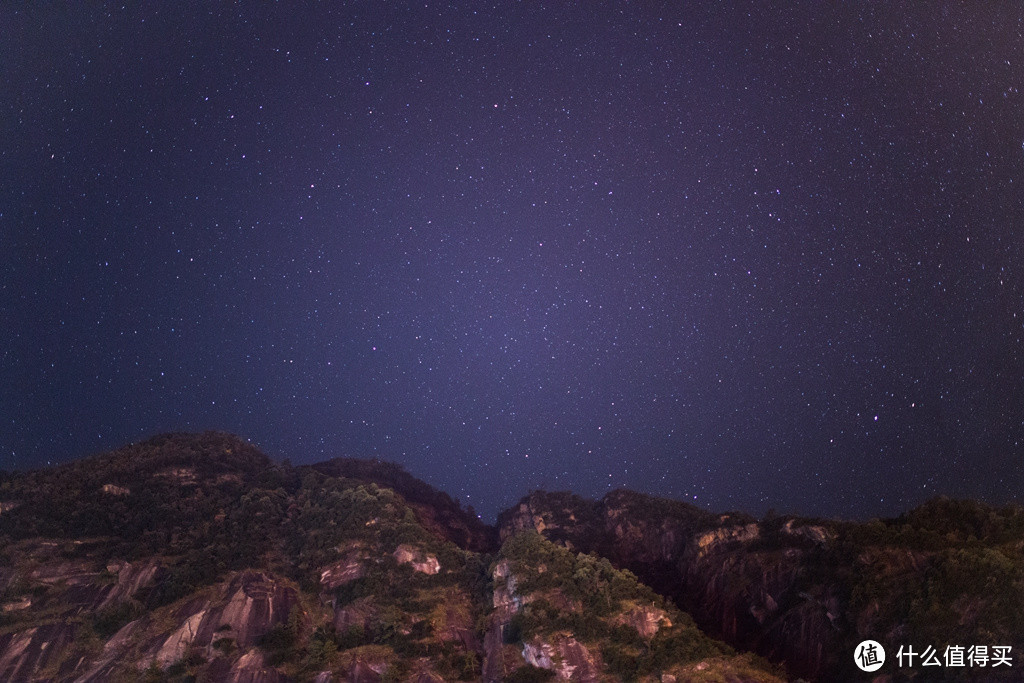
[(196, 555)]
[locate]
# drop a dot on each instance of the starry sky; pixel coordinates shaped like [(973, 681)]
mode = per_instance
[(744, 255)]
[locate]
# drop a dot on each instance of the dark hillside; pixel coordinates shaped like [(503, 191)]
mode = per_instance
[(436, 509)]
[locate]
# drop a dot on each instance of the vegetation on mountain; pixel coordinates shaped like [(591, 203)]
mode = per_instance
[(806, 591), (203, 508), (196, 557), (636, 632)]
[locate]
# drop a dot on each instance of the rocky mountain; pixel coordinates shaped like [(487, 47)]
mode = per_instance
[(196, 557), (806, 592)]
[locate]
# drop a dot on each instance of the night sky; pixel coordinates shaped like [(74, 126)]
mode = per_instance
[(745, 256)]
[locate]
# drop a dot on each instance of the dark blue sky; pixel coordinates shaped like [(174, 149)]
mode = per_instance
[(751, 257)]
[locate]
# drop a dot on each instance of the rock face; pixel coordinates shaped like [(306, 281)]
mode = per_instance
[(352, 567), (506, 602), (132, 578), (713, 540), (580, 619), (570, 660), (563, 517), (68, 589), (706, 563), (562, 654), (237, 613), (256, 601), (28, 652), (645, 620), (251, 668), (801, 592), (420, 561), (817, 534)]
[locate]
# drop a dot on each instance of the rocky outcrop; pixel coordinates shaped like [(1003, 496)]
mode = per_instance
[(558, 515), (737, 584), (505, 599), (645, 620), (812, 532), (569, 659), (754, 599), (247, 607), (25, 653), (71, 590), (709, 541), (72, 586), (24, 602), (132, 578), (113, 652), (250, 668), (350, 568), (238, 612), (524, 518), (65, 573), (174, 648), (420, 561), (506, 602)]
